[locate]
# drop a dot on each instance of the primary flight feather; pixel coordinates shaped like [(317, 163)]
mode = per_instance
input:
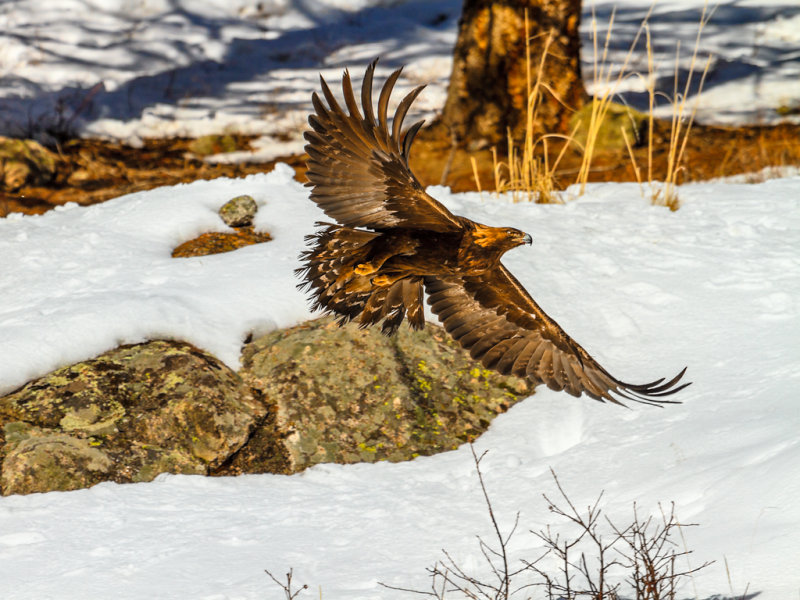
[(393, 241)]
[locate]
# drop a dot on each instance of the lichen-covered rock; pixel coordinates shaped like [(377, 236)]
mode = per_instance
[(618, 118), (239, 211), (25, 162), (126, 415), (349, 395), (310, 394), (42, 460), (206, 145)]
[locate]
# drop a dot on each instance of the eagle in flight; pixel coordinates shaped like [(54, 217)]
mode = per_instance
[(393, 241)]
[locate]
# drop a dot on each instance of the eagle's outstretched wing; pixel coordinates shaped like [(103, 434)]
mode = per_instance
[(358, 166), (500, 324)]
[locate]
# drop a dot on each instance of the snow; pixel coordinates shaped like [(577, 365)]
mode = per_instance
[(714, 286), (753, 45), (183, 68), (130, 70), (109, 278)]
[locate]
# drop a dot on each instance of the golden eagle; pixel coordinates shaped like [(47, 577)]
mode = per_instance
[(392, 240)]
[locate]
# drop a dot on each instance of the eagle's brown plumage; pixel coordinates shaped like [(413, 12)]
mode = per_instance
[(393, 240)]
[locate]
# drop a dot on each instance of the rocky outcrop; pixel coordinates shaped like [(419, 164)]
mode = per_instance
[(354, 395), (216, 242), (310, 394), (125, 416)]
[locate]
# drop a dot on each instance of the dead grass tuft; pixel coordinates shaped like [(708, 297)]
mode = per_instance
[(531, 166)]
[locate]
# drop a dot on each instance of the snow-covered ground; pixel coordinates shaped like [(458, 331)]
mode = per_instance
[(130, 69), (714, 286)]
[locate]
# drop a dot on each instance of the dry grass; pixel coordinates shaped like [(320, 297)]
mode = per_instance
[(682, 116), (681, 121), (602, 78), (528, 174), (530, 169)]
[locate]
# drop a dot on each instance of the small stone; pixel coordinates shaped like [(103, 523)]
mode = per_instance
[(239, 211), (207, 145), (25, 162), (609, 135)]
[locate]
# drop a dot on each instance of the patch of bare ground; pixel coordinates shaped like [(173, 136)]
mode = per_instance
[(711, 152), (91, 171), (215, 242)]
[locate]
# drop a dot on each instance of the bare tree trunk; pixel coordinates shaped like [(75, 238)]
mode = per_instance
[(489, 83)]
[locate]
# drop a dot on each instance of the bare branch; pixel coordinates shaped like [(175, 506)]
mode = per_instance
[(287, 587)]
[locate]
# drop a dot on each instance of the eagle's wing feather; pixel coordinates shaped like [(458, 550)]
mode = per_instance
[(497, 320), (358, 165)]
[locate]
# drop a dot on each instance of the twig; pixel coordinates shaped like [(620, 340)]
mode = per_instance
[(287, 587)]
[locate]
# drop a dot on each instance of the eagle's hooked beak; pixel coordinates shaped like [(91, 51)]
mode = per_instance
[(528, 239)]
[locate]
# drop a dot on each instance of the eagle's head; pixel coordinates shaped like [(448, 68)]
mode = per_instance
[(499, 238)]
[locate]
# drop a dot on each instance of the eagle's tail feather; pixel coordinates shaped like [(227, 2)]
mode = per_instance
[(329, 273)]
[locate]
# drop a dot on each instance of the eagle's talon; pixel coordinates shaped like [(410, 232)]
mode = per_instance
[(364, 269), (381, 280)]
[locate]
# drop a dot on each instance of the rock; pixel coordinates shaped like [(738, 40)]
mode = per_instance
[(40, 460), (310, 394), (239, 211), (127, 415), (350, 395), (609, 136), (207, 145), (25, 162)]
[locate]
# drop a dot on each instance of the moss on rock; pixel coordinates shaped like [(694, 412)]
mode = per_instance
[(354, 395), (617, 119), (41, 460), (305, 395), (127, 415)]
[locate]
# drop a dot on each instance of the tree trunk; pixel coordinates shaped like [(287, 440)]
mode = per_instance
[(489, 85)]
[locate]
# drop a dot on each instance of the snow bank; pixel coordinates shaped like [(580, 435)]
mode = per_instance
[(713, 286)]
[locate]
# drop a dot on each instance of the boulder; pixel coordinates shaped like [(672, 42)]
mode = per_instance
[(305, 395), (355, 395), (127, 415)]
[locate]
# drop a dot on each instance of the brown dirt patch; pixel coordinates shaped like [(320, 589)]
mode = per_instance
[(216, 243), (710, 152), (92, 171)]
